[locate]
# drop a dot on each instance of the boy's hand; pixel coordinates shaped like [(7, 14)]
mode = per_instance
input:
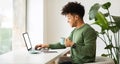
[(68, 42), (39, 46)]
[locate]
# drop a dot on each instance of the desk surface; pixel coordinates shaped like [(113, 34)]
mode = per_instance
[(22, 56)]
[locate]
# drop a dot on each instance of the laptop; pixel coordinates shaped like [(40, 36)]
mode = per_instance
[(28, 44), (31, 49)]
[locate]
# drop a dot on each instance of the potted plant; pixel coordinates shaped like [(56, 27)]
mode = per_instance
[(110, 29)]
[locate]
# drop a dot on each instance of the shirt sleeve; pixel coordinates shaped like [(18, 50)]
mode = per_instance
[(57, 45)]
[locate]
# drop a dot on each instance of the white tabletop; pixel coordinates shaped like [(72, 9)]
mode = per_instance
[(23, 57)]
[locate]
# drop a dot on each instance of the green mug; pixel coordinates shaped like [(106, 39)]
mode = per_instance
[(62, 40)]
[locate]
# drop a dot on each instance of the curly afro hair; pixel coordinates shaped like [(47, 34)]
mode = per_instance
[(73, 8)]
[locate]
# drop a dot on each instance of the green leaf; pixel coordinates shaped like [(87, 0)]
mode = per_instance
[(101, 21), (117, 20), (114, 29), (94, 9), (109, 46), (105, 55), (106, 5)]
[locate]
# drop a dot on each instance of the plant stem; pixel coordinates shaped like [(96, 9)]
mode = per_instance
[(104, 42), (110, 42), (109, 16), (115, 39), (118, 40)]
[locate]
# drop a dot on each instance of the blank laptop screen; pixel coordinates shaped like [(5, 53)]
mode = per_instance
[(27, 40)]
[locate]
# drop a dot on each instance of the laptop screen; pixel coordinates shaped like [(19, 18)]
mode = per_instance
[(27, 41)]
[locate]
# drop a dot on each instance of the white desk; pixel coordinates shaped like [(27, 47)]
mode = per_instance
[(23, 57)]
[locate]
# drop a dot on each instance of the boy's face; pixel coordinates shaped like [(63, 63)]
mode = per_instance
[(72, 20)]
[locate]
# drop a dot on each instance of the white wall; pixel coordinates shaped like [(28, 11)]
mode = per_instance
[(35, 21), (56, 26)]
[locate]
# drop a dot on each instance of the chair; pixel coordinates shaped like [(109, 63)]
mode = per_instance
[(102, 60)]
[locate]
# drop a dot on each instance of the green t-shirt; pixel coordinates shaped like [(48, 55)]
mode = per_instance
[(84, 49)]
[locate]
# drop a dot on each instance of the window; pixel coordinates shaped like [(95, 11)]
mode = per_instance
[(6, 25), (35, 20)]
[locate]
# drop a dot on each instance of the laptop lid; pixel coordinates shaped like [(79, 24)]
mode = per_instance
[(27, 41)]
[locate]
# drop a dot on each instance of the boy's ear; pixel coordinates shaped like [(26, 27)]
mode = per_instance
[(76, 17)]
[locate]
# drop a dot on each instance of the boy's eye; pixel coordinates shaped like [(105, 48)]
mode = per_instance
[(68, 17)]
